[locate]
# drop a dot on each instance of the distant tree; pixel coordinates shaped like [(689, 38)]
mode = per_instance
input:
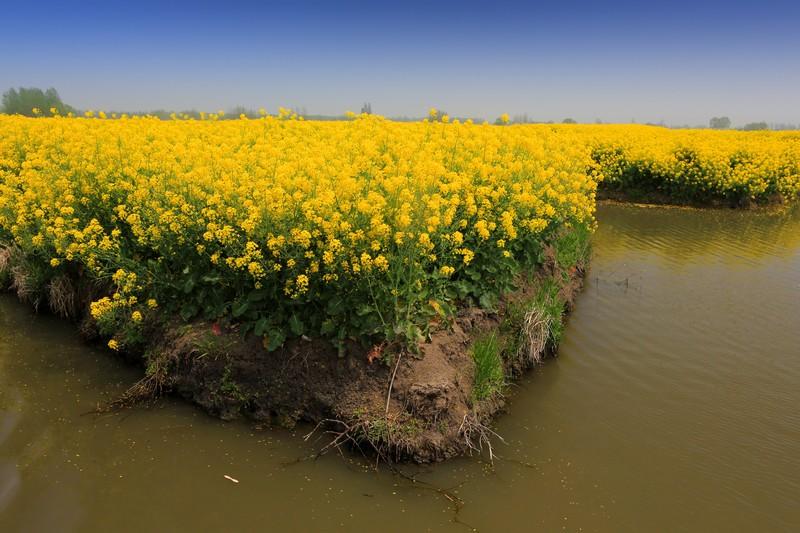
[(438, 115), (240, 110), (568, 121), (366, 108), (753, 126), (720, 123), (23, 101), (502, 119)]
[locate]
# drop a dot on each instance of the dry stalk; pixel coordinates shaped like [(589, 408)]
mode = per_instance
[(535, 331), (391, 383), (62, 296), (22, 284), (6, 253)]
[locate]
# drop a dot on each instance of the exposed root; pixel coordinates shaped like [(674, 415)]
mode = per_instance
[(147, 389), (387, 439), (342, 434), (535, 330), (477, 435)]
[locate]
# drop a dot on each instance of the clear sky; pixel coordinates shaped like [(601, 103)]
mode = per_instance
[(679, 61)]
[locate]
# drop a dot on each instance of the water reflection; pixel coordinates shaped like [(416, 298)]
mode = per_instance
[(731, 236)]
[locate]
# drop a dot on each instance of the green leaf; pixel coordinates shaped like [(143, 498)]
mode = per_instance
[(335, 306), (260, 326), (240, 309), (275, 339), (463, 288), (257, 295), (188, 285), (296, 325), (188, 311), (487, 300)]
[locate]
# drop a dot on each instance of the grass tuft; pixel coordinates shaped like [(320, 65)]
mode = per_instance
[(573, 247), (489, 373), (548, 302)]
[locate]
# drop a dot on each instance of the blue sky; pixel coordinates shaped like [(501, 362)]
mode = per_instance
[(680, 62)]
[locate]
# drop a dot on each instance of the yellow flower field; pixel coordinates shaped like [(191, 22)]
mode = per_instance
[(698, 165), (364, 228)]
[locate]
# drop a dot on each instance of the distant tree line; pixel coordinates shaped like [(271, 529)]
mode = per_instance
[(32, 101), (724, 123), (752, 126), (526, 119), (24, 100)]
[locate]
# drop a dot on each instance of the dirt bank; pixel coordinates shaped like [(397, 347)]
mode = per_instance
[(400, 406), (651, 197)]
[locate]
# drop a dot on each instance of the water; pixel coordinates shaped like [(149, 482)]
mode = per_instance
[(673, 406)]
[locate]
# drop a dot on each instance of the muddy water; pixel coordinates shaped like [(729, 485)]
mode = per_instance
[(674, 406)]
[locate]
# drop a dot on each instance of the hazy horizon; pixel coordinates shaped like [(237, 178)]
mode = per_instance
[(680, 63)]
